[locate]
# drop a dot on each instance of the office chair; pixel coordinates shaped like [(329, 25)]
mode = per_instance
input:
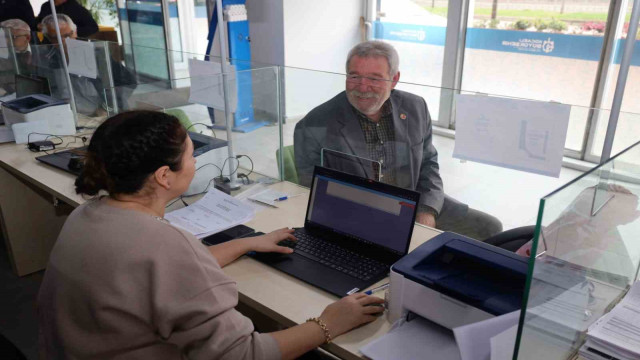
[(290, 171), (182, 117), (512, 239)]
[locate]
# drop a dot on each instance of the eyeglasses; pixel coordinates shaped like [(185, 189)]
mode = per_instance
[(15, 37), (372, 81)]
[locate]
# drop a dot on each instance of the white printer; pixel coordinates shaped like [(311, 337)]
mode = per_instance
[(453, 281), (37, 114)]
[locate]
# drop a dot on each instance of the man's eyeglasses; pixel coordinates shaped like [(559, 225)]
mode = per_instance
[(357, 79), (16, 37)]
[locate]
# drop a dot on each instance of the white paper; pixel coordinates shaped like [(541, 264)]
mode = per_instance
[(82, 58), (474, 339), (416, 339), (268, 197), (516, 134), (254, 189), (214, 212), (207, 84), (4, 47), (502, 345)]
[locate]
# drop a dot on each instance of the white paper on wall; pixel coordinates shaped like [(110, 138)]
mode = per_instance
[(207, 84), (517, 134), (82, 58)]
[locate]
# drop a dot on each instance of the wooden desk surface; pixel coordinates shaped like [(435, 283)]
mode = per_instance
[(291, 301), (18, 160), (279, 296)]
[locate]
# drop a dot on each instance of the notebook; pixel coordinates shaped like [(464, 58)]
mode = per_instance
[(355, 229), (71, 160)]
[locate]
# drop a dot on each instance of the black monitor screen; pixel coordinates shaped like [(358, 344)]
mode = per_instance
[(30, 85), (374, 216)]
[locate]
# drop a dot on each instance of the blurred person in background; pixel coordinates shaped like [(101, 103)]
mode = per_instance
[(18, 9), (20, 33), (81, 17)]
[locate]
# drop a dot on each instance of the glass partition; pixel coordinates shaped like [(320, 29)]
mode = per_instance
[(318, 114), (248, 156), (584, 257)]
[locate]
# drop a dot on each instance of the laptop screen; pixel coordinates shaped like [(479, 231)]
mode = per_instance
[(30, 85), (365, 210)]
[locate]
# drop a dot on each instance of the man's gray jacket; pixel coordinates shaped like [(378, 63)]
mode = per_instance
[(334, 125)]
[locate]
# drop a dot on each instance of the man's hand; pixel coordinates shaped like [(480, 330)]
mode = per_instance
[(426, 218)]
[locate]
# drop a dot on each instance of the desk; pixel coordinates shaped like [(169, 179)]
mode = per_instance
[(31, 224)]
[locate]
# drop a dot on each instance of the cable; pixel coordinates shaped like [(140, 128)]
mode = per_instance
[(212, 164), (210, 127), (46, 138), (225, 162), (242, 175)]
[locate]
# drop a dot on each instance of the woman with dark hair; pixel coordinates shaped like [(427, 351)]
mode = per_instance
[(123, 283)]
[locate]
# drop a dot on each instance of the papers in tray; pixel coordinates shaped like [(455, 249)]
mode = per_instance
[(617, 334), (215, 212), (414, 340), (491, 339)]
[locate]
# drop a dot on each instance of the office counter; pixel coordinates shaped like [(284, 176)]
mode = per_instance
[(35, 200)]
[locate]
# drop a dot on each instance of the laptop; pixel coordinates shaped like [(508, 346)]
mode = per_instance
[(355, 229), (31, 84), (71, 160)]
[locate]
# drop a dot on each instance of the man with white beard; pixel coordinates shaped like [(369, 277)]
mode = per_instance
[(372, 120)]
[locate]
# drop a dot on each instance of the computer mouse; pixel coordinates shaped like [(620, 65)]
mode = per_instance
[(76, 163)]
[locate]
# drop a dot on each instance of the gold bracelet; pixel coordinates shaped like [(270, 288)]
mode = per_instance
[(323, 326)]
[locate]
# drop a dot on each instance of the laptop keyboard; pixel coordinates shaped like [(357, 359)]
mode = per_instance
[(334, 256)]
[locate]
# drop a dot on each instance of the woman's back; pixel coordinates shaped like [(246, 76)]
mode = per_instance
[(121, 282)]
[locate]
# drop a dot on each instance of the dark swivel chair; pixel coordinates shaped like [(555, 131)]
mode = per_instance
[(512, 239)]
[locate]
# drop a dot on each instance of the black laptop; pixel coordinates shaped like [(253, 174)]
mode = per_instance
[(71, 160), (354, 230)]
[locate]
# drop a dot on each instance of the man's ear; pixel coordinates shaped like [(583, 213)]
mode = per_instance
[(395, 79), (162, 176)]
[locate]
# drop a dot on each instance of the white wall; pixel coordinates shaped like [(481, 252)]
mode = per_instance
[(317, 36), (36, 5), (266, 19)]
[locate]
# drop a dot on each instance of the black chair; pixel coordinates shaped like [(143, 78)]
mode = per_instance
[(512, 239)]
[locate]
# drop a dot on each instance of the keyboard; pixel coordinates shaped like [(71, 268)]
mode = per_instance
[(334, 256)]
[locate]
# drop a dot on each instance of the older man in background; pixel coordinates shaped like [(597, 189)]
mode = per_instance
[(89, 94), (20, 34), (372, 120)]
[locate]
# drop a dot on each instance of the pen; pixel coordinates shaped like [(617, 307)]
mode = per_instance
[(286, 197), (376, 289)]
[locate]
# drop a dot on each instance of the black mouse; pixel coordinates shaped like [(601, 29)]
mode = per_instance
[(76, 163)]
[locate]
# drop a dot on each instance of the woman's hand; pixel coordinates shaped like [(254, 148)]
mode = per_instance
[(351, 311), (269, 242)]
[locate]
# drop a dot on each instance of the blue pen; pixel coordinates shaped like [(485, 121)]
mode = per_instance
[(377, 289), (286, 197)]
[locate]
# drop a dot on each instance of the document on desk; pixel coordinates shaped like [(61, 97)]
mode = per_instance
[(414, 340), (215, 212), (619, 330)]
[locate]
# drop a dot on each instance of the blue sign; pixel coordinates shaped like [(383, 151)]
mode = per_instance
[(583, 47)]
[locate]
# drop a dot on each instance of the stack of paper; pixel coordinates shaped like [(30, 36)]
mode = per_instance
[(617, 334), (215, 212)]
